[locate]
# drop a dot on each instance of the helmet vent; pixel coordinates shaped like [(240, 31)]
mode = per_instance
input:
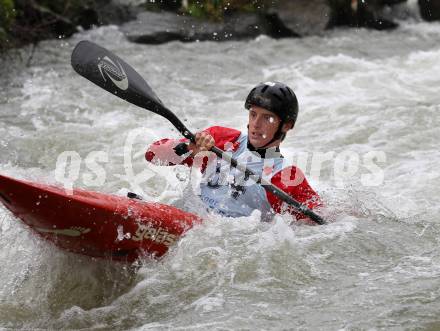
[(278, 97), (282, 91), (264, 88)]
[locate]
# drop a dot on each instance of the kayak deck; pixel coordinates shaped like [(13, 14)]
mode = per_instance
[(93, 223)]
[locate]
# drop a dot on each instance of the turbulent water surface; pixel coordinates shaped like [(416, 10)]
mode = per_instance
[(375, 266)]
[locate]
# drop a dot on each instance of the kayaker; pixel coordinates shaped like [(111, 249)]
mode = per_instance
[(273, 110)]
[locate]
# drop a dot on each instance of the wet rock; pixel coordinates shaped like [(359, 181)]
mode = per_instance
[(343, 13), (283, 18), (403, 10), (368, 14), (300, 17), (113, 12), (160, 27), (430, 9), (362, 13), (103, 12), (244, 25)]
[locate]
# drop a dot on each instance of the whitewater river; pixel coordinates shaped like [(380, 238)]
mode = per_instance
[(369, 100)]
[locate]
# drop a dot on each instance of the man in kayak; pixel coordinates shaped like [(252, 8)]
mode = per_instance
[(273, 110)]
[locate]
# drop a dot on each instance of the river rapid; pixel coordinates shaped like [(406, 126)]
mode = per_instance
[(376, 266)]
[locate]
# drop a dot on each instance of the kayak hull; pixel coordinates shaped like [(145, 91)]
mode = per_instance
[(96, 224)]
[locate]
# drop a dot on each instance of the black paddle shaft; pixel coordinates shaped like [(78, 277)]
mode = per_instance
[(110, 72)]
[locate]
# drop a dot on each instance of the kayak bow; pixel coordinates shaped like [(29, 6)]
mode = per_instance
[(96, 224)]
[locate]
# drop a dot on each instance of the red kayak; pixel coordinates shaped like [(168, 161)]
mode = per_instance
[(96, 224)]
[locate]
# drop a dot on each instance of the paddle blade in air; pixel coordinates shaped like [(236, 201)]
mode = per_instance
[(108, 71)]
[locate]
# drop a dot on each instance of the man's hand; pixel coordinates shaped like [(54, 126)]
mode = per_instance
[(204, 142)]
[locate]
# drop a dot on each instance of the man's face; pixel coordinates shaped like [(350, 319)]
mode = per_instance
[(263, 125)]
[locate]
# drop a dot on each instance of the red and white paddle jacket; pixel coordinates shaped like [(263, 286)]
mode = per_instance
[(225, 190)]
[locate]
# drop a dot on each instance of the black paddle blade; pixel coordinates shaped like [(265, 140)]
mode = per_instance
[(108, 71)]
